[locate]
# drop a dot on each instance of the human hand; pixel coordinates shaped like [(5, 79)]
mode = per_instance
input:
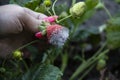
[(17, 25)]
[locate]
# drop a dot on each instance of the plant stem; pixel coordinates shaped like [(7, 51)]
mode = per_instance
[(64, 18), (88, 70), (96, 54), (53, 7), (25, 65), (83, 54), (3, 63), (49, 12), (73, 2), (16, 64), (78, 71), (27, 44), (86, 64), (107, 11), (64, 61)]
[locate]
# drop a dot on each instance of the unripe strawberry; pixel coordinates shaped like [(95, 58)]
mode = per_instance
[(78, 9), (17, 54), (57, 35), (47, 3), (101, 64)]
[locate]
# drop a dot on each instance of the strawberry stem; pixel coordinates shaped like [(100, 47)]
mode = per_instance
[(27, 44), (48, 11), (106, 10), (53, 7), (64, 18), (73, 2)]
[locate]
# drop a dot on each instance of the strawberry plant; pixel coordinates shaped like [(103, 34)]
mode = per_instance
[(62, 30)]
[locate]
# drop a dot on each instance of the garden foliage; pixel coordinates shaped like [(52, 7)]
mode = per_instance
[(42, 65)]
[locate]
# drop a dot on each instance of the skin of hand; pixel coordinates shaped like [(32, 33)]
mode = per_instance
[(17, 27)]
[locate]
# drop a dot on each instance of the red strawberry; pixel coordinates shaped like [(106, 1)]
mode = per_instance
[(39, 35), (57, 35), (52, 28), (51, 19)]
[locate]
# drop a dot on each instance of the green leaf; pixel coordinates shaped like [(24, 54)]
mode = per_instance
[(12, 2), (118, 1), (32, 4), (43, 72), (19, 2), (113, 33), (87, 15), (83, 33), (60, 8), (41, 8)]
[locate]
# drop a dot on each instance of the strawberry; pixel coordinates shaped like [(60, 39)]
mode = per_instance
[(17, 54), (78, 9), (47, 3), (101, 64), (57, 35), (51, 19), (39, 35)]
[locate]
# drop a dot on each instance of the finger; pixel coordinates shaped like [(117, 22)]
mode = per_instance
[(9, 21), (34, 14), (31, 23)]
